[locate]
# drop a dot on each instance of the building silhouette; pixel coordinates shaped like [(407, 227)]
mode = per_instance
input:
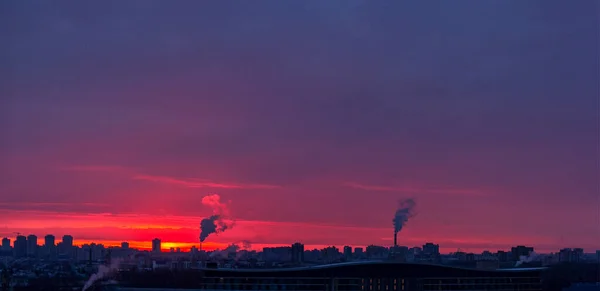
[(20, 247), (65, 247), (49, 249), (431, 249), (520, 251), (348, 252), (156, 245), (6, 244), (49, 240), (297, 253), (67, 240), (32, 245), (570, 255)]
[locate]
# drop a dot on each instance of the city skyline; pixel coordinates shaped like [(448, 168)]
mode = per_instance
[(166, 246), (310, 120)]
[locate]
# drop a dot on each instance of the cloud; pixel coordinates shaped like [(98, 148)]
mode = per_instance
[(197, 183), (185, 182), (452, 191), (51, 204), (49, 219), (93, 168), (55, 206), (406, 96)]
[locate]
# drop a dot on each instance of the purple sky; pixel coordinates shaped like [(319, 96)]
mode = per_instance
[(313, 112)]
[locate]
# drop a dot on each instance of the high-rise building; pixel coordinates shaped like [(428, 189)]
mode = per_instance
[(431, 249), (49, 249), (32, 245), (297, 253), (6, 244), (415, 251), (520, 251), (502, 256), (20, 246), (124, 245), (49, 240), (570, 255), (359, 253), (65, 248), (67, 240), (331, 254), (6, 250), (347, 252), (156, 246)]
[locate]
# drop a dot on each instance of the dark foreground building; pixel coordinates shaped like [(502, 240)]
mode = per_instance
[(368, 276)]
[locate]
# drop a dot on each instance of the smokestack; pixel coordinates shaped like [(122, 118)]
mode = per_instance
[(403, 213), (219, 221), (395, 239)]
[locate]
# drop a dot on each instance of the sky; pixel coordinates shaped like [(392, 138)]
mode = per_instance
[(310, 119)]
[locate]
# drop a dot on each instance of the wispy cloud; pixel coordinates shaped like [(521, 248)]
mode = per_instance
[(42, 204), (185, 182), (93, 168), (453, 191), (197, 183), (50, 218), (54, 206)]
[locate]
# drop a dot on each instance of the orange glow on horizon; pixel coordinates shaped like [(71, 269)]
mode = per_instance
[(147, 245), (182, 232)]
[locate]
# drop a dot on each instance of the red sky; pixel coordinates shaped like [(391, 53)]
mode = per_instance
[(312, 121), (170, 208)]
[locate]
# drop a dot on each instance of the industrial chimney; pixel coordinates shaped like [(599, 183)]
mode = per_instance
[(395, 239)]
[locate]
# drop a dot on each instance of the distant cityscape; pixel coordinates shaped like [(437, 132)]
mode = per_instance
[(27, 265), (240, 255)]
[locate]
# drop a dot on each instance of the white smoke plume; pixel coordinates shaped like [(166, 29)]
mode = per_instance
[(103, 271), (234, 248), (403, 213), (219, 221), (532, 257)]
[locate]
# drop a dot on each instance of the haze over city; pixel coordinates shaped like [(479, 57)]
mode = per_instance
[(309, 120)]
